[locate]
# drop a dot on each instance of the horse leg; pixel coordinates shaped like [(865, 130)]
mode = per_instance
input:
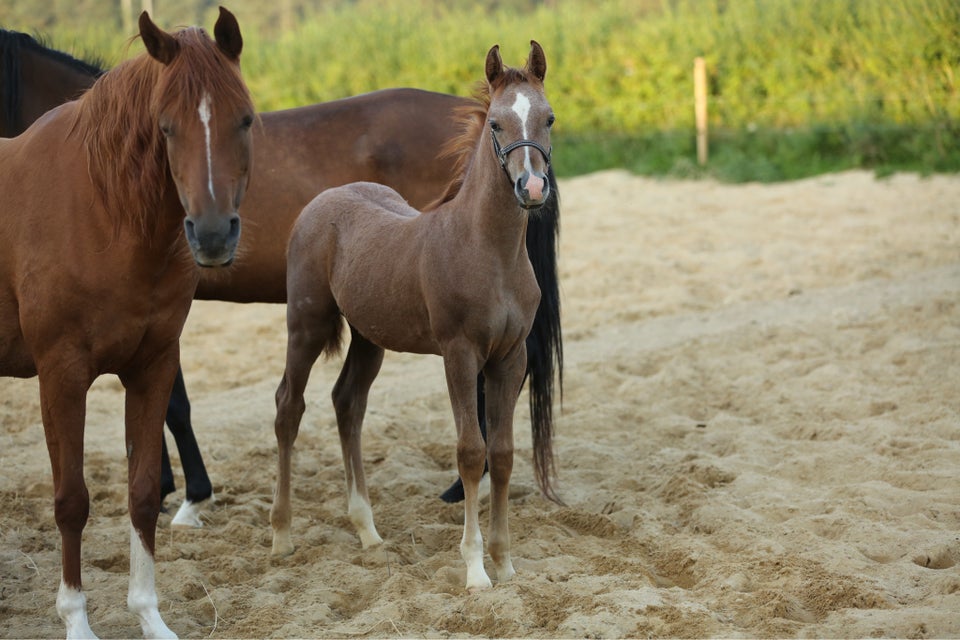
[(63, 406), (199, 489), (147, 395), (455, 492), (461, 367), (350, 393), (503, 386), (305, 342), (167, 484)]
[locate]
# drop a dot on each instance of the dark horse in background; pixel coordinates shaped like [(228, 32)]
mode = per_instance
[(387, 136)]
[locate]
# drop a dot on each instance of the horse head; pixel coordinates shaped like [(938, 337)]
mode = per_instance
[(204, 113), (519, 119)]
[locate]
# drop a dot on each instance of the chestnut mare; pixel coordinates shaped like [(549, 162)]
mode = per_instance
[(387, 136), (459, 284), (106, 203)]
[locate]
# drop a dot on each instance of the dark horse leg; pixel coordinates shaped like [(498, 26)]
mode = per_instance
[(198, 483), (545, 342)]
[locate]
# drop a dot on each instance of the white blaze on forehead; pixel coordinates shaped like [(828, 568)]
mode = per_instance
[(204, 111), (521, 106)]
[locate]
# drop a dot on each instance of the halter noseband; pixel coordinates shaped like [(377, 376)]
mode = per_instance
[(503, 151)]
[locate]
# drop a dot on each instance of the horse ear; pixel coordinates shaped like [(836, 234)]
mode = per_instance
[(537, 61), (160, 45), (227, 34), (494, 64)]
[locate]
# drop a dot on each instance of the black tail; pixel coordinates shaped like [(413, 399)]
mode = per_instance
[(544, 347), (545, 342)]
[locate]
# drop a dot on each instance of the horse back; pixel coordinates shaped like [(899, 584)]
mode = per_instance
[(392, 137), (361, 245)]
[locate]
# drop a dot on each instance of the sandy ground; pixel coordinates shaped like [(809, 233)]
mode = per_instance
[(760, 436)]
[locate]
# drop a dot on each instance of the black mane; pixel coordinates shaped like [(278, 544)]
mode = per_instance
[(12, 46)]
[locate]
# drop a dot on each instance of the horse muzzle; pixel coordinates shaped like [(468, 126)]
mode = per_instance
[(213, 240), (532, 190)]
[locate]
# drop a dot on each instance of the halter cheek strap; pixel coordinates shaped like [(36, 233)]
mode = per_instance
[(503, 151)]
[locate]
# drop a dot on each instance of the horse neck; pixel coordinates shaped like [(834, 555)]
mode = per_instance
[(487, 206)]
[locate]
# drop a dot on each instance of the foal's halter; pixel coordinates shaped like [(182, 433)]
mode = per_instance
[(503, 151)]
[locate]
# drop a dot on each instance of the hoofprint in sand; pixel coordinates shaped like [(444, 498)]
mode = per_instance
[(760, 436)]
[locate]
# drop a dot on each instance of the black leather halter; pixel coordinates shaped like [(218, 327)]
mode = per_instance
[(503, 151)]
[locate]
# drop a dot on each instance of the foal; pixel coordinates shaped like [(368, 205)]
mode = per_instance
[(455, 281)]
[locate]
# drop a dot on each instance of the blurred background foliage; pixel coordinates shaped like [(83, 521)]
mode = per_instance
[(796, 87)]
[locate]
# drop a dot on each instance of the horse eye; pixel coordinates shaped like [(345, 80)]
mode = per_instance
[(551, 120), (166, 130), (494, 126), (246, 122)]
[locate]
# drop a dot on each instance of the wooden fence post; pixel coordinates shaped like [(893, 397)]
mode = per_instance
[(700, 107)]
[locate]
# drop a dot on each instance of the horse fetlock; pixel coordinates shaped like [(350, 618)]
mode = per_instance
[(477, 580), (505, 569), (153, 625), (188, 515), (471, 549), (361, 516), (72, 609)]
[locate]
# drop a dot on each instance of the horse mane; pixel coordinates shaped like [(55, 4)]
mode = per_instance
[(470, 118), (11, 43), (117, 119)]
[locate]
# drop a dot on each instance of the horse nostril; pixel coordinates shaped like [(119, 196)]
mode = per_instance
[(519, 185), (234, 226), (188, 226)]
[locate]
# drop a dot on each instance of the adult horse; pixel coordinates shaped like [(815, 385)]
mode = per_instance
[(459, 285), (107, 204), (386, 136)]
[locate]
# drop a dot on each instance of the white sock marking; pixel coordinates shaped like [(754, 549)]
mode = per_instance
[(72, 608), (204, 111), (142, 596), (361, 515)]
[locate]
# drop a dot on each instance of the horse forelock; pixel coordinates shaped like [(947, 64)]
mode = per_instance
[(117, 119), (200, 68)]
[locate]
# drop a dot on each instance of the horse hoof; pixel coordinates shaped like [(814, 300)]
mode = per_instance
[(480, 585), (369, 539), (282, 546)]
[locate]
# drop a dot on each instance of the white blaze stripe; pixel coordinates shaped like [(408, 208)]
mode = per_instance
[(521, 106), (204, 111)]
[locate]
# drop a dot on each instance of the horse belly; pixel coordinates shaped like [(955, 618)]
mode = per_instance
[(391, 320)]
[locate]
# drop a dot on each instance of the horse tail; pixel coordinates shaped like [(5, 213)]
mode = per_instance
[(545, 342)]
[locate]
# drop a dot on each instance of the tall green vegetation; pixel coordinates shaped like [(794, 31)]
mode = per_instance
[(795, 86)]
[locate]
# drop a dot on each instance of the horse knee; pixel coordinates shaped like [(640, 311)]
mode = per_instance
[(470, 458), (288, 404), (72, 509), (144, 505), (290, 410)]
